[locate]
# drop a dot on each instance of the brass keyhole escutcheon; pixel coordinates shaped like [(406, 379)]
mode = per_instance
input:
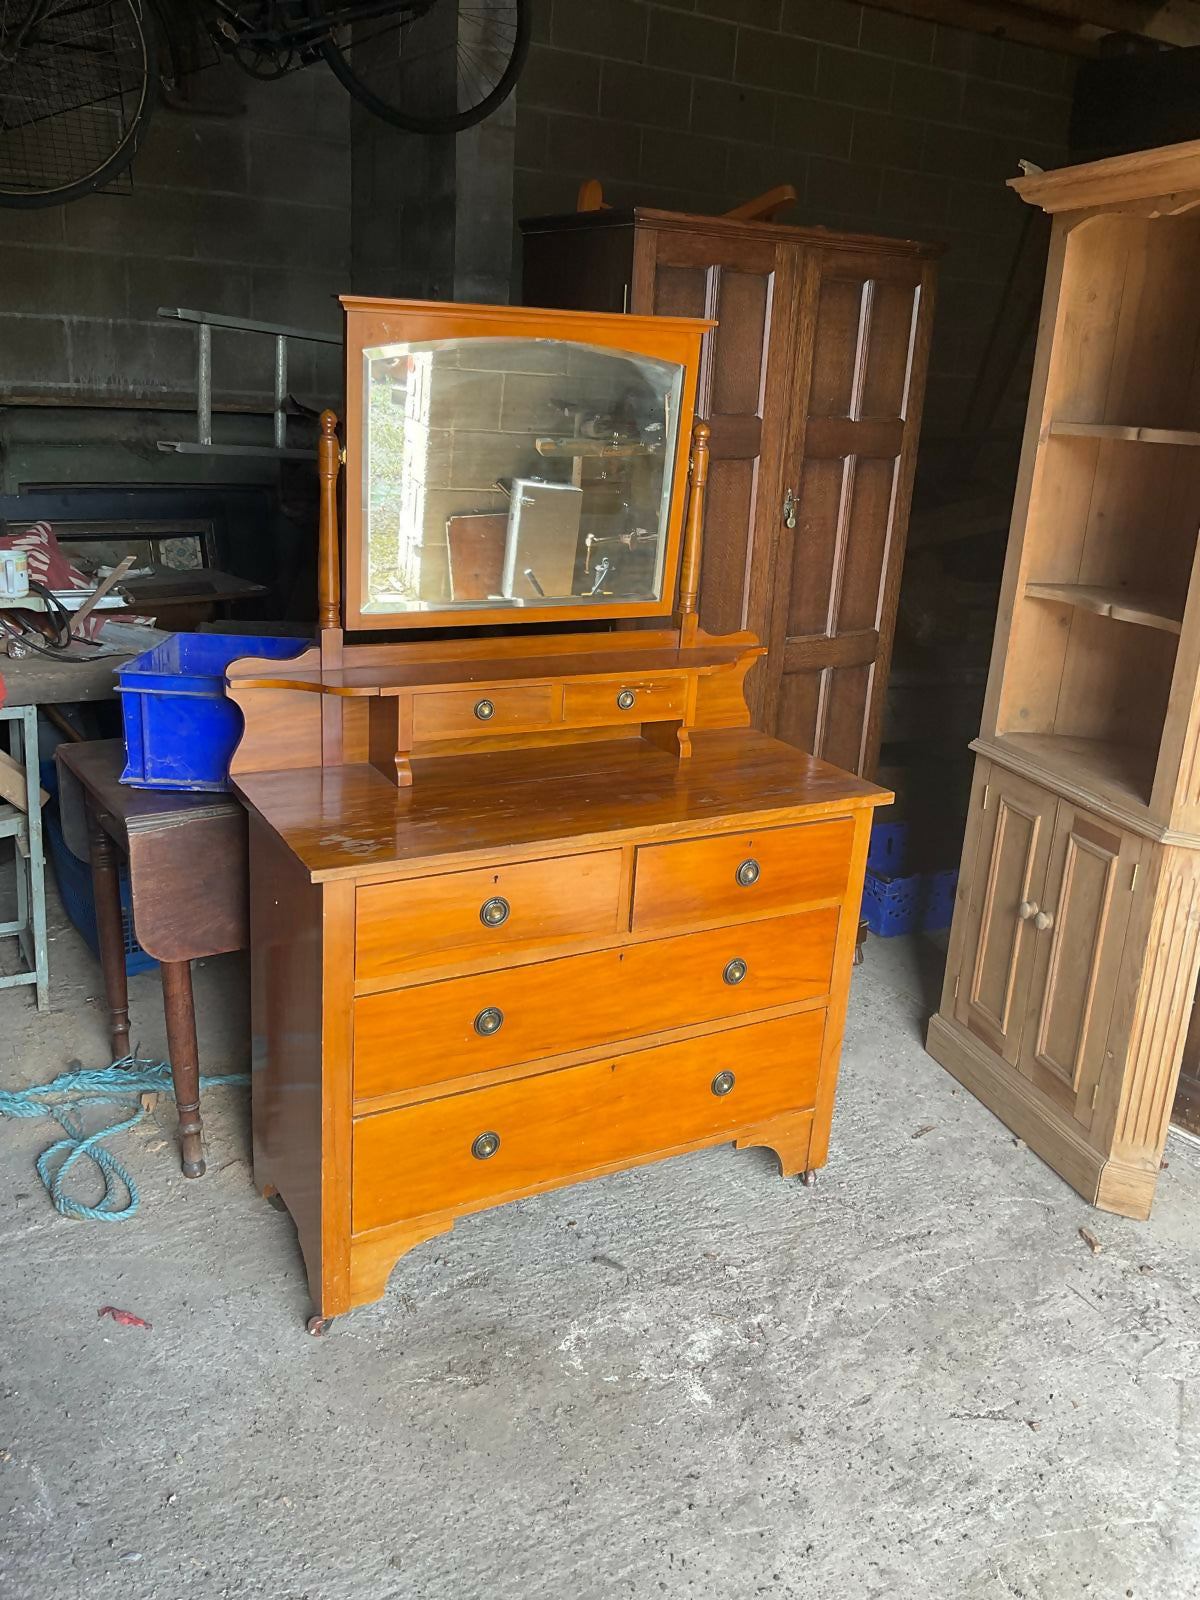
[(735, 970), (748, 872), (489, 1021), (485, 710), (626, 699), (485, 1145), (723, 1083), (495, 911)]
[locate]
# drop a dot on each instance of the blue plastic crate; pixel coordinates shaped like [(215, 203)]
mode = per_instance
[(180, 730), (75, 887), (924, 902), (888, 849)]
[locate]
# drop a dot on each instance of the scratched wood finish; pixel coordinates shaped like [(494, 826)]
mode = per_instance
[(418, 1160), (424, 1035), (812, 382), (1074, 952)]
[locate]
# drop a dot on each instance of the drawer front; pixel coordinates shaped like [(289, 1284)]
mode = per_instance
[(465, 916), (461, 713), (617, 700), (739, 875), (434, 1156), (409, 1038)]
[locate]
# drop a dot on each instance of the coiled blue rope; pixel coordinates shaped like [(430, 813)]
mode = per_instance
[(106, 1086)]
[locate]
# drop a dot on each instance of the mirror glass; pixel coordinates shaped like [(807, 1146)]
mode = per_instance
[(515, 473)]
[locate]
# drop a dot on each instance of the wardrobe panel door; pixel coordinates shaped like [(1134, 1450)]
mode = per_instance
[(862, 347), (746, 285)]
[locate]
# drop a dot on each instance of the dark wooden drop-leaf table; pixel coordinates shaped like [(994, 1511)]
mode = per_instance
[(186, 855)]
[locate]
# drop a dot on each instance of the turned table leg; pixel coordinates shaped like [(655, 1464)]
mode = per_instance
[(185, 1061), (106, 889)]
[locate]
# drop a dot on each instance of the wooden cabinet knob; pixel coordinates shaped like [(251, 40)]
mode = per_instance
[(1027, 909), (1043, 920)]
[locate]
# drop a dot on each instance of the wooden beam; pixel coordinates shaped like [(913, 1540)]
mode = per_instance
[(1069, 25), (1001, 21)]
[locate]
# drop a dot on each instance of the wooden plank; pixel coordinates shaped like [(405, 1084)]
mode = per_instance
[(1117, 180), (1148, 612), (1128, 432)]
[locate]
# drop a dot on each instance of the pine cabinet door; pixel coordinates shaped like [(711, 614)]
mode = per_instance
[(1079, 936), (1016, 824), (862, 345)]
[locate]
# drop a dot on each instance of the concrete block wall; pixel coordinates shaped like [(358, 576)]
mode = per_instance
[(247, 215), (884, 124)]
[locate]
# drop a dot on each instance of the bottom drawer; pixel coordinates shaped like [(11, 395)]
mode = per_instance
[(466, 1150)]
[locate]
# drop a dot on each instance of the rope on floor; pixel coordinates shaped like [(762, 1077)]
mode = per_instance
[(105, 1086)]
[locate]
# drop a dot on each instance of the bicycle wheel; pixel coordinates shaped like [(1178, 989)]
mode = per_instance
[(432, 66), (77, 85)]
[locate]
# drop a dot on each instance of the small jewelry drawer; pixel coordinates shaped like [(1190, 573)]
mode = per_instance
[(462, 713), (465, 1150), (464, 916), (430, 1033), (617, 700), (741, 875)]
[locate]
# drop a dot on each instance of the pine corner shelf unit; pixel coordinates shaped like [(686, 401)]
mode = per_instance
[(1076, 939)]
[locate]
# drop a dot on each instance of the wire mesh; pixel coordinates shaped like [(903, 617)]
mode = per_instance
[(73, 82)]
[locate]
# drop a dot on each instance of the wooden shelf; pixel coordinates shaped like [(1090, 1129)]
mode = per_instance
[(1121, 773), (1146, 611), (1123, 431)]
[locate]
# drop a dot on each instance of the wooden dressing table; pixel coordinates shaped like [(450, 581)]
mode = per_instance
[(527, 906)]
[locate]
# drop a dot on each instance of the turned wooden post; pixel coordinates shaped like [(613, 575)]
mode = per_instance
[(185, 1062), (693, 535), (110, 929), (329, 565)]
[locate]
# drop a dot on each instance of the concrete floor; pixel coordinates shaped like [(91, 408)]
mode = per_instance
[(693, 1380)]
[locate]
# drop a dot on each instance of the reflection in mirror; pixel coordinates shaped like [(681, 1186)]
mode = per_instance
[(516, 472)]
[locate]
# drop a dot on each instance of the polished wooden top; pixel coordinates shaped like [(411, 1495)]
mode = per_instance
[(351, 822)]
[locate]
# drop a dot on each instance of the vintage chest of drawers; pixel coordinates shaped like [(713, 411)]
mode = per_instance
[(527, 908)]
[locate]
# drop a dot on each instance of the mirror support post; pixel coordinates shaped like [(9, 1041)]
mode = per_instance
[(693, 536), (329, 560)]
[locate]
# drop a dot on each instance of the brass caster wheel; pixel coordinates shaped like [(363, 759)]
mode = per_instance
[(318, 1326), (809, 1178)]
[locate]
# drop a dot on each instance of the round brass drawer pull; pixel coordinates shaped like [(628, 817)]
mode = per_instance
[(735, 970), (495, 911), (748, 872), (723, 1083), (485, 1145), (626, 699), (489, 1021), (485, 710)]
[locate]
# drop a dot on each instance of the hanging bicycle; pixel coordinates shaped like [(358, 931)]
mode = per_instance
[(78, 78)]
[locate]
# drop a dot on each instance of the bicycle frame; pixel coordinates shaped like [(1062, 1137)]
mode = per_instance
[(303, 30)]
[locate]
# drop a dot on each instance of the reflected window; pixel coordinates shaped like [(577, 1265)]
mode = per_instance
[(516, 473)]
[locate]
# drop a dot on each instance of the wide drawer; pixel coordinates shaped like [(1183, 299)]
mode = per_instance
[(617, 700), (409, 1038), (462, 713), (435, 1156), (464, 916), (740, 875)]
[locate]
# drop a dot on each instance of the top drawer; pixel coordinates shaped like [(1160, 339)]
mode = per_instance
[(463, 713), (466, 916), (737, 876)]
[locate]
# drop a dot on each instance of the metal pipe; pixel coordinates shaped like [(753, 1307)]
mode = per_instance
[(280, 391), (204, 383)]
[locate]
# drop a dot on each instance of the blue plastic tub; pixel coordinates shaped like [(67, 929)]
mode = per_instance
[(180, 730), (922, 902)]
